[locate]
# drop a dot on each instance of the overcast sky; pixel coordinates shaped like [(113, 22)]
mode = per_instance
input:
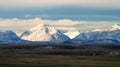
[(114, 4)]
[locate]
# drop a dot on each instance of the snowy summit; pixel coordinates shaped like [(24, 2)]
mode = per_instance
[(116, 26), (44, 33)]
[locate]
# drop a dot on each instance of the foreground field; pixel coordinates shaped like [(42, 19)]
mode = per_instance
[(55, 58)]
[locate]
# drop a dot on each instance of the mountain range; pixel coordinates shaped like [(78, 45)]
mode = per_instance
[(46, 33), (100, 36)]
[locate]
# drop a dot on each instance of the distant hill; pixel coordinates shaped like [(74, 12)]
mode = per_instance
[(8, 37)]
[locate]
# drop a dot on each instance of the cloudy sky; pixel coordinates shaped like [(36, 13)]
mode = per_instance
[(85, 10), (19, 26), (82, 15), (46, 3)]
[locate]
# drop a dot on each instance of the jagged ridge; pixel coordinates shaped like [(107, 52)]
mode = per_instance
[(105, 36)]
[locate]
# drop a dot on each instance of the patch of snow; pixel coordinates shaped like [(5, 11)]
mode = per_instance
[(116, 26), (72, 34)]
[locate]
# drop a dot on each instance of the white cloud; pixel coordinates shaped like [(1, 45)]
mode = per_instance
[(40, 16), (20, 26), (46, 3)]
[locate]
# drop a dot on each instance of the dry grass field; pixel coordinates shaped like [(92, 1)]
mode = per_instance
[(21, 57)]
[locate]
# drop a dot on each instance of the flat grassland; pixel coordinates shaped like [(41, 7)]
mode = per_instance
[(58, 58)]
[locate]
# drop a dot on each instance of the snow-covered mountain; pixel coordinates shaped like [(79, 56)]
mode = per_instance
[(44, 33), (9, 36), (105, 36), (72, 34), (115, 27)]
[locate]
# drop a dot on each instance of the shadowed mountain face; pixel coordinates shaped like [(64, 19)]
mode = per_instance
[(9, 36)]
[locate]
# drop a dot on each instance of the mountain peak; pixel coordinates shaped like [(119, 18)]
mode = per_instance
[(116, 26), (39, 26), (44, 33), (8, 36)]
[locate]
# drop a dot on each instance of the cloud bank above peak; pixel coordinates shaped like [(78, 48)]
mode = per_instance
[(46, 3), (19, 25)]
